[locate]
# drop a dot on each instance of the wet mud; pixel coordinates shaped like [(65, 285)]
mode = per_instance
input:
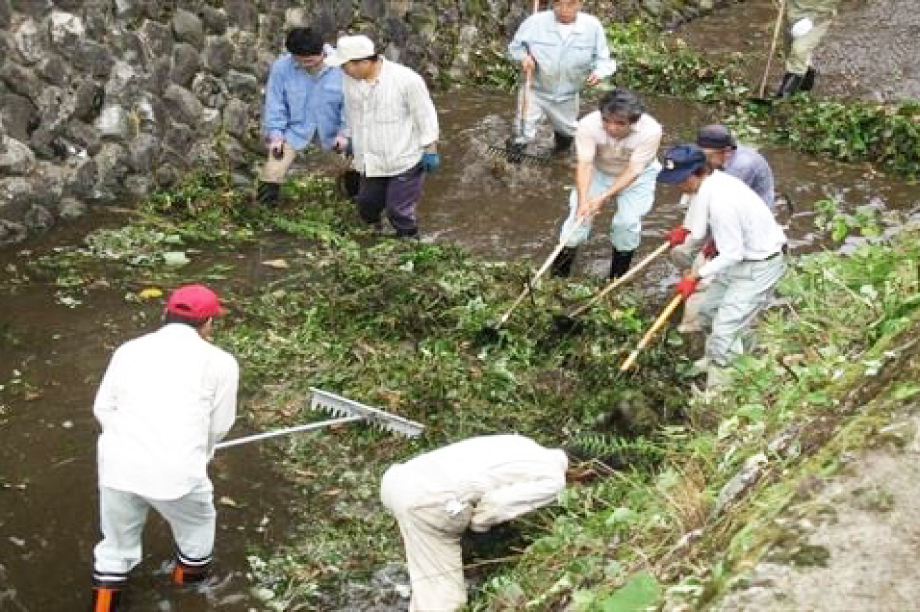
[(52, 356)]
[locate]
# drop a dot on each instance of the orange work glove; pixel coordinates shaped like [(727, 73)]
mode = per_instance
[(677, 236), (686, 286)]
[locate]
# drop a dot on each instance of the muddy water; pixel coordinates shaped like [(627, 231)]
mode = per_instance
[(47, 433)]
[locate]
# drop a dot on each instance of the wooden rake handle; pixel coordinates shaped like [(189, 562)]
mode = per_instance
[(623, 279), (657, 325), (776, 28), (546, 264)]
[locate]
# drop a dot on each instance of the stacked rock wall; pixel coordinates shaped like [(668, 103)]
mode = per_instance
[(103, 100)]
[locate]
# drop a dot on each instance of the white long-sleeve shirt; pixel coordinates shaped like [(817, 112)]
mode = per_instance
[(741, 226), (165, 400), (390, 120), (501, 476)]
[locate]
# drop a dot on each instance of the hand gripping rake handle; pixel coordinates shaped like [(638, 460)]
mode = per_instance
[(346, 411), (658, 324), (546, 264), (623, 279)]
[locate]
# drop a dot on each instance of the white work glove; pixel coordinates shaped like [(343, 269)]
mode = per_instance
[(801, 27)]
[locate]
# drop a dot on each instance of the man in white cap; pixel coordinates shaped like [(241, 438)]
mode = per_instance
[(565, 50), (475, 483), (393, 128), (166, 399), (746, 263), (807, 22)]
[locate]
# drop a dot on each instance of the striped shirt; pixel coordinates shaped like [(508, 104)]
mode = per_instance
[(391, 120)]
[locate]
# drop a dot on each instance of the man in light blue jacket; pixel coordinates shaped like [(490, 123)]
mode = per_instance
[(563, 49), (303, 105)]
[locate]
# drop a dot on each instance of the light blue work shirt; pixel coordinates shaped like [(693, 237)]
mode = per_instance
[(751, 167), (300, 105), (563, 64)]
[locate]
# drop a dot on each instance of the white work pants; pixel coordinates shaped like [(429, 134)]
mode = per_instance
[(562, 115), (801, 49), (632, 203), (733, 300), (431, 535), (122, 515)]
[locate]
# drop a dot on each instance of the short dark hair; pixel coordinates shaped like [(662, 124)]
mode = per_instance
[(622, 101), (304, 41), (171, 317)]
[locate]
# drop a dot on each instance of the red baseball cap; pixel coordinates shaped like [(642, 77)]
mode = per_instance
[(194, 302)]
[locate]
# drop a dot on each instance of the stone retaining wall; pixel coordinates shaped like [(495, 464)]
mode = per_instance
[(102, 101)]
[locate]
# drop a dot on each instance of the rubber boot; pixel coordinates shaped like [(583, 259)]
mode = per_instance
[(619, 263), (183, 573), (268, 194), (562, 143), (562, 265), (808, 81), (106, 598), (790, 85)]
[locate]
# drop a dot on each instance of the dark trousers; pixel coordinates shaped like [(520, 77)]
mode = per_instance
[(398, 195)]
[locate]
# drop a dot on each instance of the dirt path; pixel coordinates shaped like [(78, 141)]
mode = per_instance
[(853, 545)]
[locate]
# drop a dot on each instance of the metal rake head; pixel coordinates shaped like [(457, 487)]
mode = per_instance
[(342, 407), (516, 155)]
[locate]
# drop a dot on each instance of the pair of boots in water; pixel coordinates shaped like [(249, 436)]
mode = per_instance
[(562, 265), (793, 83), (109, 596)]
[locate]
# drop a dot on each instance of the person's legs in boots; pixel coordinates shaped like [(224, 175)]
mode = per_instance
[(800, 76), (402, 196), (121, 518), (632, 203), (192, 520), (372, 199), (268, 192), (563, 116), (523, 133), (574, 236)]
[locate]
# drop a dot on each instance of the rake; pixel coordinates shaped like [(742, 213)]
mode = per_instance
[(346, 411), (657, 325), (570, 321)]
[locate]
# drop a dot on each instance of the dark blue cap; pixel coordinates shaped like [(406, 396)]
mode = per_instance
[(679, 162)]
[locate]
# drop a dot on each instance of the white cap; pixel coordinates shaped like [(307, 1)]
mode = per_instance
[(350, 48), (802, 27)]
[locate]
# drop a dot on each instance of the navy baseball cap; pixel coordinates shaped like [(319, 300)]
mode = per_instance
[(679, 162)]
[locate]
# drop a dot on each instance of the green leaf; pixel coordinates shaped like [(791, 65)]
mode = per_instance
[(640, 592)]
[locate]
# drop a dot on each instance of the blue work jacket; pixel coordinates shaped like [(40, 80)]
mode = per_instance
[(298, 105), (563, 65)]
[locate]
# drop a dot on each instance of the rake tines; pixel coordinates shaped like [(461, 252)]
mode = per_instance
[(515, 154), (343, 407)]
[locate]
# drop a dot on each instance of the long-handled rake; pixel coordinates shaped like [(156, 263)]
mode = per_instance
[(761, 91), (346, 411), (490, 333), (570, 321), (657, 325)]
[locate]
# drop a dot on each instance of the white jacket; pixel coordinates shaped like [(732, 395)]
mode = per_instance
[(501, 476), (166, 399)]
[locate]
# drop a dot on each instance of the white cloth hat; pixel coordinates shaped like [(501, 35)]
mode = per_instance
[(350, 48)]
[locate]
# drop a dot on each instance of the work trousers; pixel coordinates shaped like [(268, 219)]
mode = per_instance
[(431, 535), (632, 204), (801, 49), (562, 115), (397, 195), (122, 515), (274, 170), (734, 298)]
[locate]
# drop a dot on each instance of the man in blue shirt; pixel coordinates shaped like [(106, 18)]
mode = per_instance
[(303, 105), (724, 153), (564, 49)]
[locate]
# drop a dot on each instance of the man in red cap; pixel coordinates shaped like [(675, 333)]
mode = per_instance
[(166, 399)]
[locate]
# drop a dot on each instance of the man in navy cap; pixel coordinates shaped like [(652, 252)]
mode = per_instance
[(744, 262), (166, 399)]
